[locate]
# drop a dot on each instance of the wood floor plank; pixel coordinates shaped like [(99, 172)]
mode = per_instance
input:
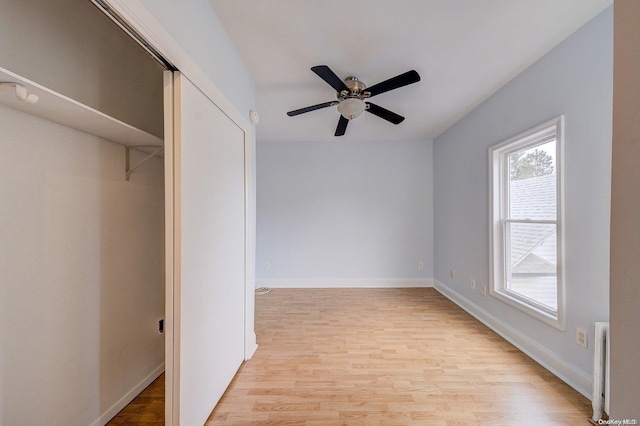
[(386, 357), (145, 409)]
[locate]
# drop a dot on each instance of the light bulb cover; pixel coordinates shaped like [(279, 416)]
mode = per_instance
[(351, 108)]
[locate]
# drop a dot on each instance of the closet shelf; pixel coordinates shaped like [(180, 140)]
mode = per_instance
[(66, 111)]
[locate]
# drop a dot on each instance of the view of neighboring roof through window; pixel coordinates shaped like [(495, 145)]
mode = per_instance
[(526, 229), (532, 196)]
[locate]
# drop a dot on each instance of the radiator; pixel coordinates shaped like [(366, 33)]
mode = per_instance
[(600, 395)]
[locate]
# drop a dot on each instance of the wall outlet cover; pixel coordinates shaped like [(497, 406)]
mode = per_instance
[(581, 337)]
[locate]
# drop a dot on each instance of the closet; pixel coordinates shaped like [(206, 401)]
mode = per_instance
[(82, 282), (128, 200)]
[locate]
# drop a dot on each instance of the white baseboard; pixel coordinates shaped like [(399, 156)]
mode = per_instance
[(346, 283), (543, 356), (251, 346), (128, 397)]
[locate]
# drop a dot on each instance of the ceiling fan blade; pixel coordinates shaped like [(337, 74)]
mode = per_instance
[(325, 73), (342, 126), (311, 108), (401, 80), (384, 113)]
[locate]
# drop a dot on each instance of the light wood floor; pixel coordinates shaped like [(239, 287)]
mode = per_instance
[(146, 409), (387, 357)]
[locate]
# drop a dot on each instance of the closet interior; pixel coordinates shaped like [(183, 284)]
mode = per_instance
[(81, 215)]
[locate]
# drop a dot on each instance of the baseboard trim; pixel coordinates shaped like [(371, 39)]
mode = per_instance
[(543, 356), (346, 283), (251, 347), (128, 397)]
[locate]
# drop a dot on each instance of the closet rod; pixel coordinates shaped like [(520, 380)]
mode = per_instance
[(127, 149)]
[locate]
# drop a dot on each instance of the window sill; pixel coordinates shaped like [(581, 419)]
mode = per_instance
[(553, 319)]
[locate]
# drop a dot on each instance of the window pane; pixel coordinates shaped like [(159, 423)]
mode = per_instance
[(532, 270), (532, 183)]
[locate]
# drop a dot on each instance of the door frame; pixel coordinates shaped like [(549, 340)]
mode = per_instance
[(140, 20)]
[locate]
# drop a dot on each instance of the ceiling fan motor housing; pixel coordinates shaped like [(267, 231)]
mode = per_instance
[(356, 89), (354, 84)]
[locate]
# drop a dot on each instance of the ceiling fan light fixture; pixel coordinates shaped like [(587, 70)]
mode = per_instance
[(351, 108), (351, 94)]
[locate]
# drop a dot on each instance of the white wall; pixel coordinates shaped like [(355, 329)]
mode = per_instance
[(625, 205), (194, 25), (71, 48), (574, 79), (81, 275), (344, 213)]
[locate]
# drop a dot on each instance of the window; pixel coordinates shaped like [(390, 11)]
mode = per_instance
[(526, 222)]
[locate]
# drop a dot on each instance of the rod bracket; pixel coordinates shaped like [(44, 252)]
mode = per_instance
[(21, 92)]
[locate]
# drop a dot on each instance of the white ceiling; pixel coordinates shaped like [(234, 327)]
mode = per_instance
[(464, 50)]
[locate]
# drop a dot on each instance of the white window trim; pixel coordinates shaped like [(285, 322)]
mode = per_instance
[(531, 137)]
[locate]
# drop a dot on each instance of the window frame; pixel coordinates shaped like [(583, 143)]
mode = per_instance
[(499, 217)]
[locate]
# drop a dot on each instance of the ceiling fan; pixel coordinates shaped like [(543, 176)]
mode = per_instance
[(351, 94)]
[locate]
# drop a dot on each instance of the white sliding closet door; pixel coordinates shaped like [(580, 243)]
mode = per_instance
[(205, 163)]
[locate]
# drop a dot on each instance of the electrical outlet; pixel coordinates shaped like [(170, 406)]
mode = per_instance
[(473, 284), (483, 289), (267, 265), (421, 265), (452, 274), (581, 337)]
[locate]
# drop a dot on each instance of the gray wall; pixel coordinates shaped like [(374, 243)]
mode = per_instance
[(71, 48), (574, 79), (625, 213), (349, 210)]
